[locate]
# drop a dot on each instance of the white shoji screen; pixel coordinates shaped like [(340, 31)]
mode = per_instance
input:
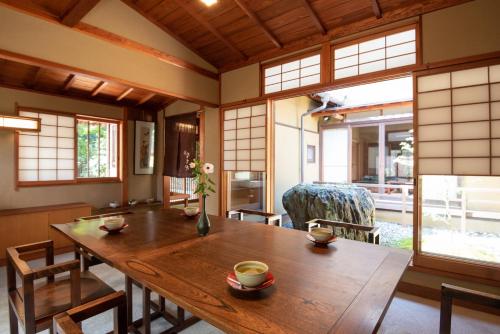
[(459, 122), (245, 139), (294, 74), (383, 53), (47, 155)]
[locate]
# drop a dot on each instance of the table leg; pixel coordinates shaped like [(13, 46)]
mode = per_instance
[(128, 292), (146, 310)]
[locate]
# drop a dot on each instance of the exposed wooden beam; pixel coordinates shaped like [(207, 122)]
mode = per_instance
[(36, 77), (70, 80), (100, 86), (259, 23), (376, 9), (78, 11), (314, 16), (363, 108), (191, 11), (145, 99), (125, 93)]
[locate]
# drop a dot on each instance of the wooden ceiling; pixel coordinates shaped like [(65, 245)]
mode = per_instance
[(64, 83)]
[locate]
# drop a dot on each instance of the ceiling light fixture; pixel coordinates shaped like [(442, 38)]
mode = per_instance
[(19, 123), (209, 3)]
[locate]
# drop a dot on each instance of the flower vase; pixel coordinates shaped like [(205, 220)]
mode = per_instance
[(203, 225)]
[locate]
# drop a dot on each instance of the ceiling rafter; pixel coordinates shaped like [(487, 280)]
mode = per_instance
[(78, 12), (314, 16), (36, 77), (70, 80), (258, 22), (98, 88), (191, 11), (376, 9), (145, 99), (124, 94)]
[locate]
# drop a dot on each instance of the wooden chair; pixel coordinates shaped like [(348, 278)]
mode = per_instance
[(373, 232), (269, 218), (450, 292), (67, 322), (34, 304)]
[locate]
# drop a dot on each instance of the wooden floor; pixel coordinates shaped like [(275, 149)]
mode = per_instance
[(406, 315)]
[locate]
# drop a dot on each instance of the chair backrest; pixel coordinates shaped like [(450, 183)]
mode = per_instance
[(67, 322), (269, 218), (450, 292), (373, 232)]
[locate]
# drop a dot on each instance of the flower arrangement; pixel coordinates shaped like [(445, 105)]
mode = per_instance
[(201, 171)]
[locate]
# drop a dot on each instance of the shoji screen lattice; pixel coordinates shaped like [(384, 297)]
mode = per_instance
[(245, 139), (298, 73), (49, 154), (459, 122)]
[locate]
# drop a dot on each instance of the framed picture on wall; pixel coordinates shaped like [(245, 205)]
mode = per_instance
[(311, 154), (144, 148)]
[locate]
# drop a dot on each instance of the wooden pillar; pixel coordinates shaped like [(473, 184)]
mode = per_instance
[(166, 192), (124, 141), (202, 143)]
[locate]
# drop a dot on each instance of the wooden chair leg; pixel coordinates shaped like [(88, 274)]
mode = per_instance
[(128, 293), (146, 310), (180, 315), (120, 319), (14, 326), (161, 302), (445, 315)]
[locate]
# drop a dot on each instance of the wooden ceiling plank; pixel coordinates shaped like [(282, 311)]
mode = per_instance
[(69, 82), (36, 77), (191, 11), (100, 86), (376, 9), (145, 99), (125, 93), (258, 22), (78, 12), (314, 16)]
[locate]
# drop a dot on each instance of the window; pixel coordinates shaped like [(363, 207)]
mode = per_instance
[(67, 149), (383, 53), (97, 148), (298, 73)]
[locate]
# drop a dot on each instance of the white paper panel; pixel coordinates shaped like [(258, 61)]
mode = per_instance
[(291, 84), (495, 147), (28, 175), (372, 56), (471, 112), (229, 165), (259, 110), (258, 121), (470, 95), (29, 114), (471, 166), (294, 65), (230, 125), (438, 149), (373, 44), (28, 152), (258, 154), (290, 75), (472, 130), (230, 114), (243, 123), (243, 155), (434, 166), (273, 79), (243, 165), (48, 130), (65, 132), (346, 72), (272, 88), (495, 110), (272, 70), (65, 142), (47, 153), (495, 73), (258, 143), (372, 67), (244, 112), (243, 133), (312, 60), (495, 92), (474, 76), (495, 129), (47, 175), (64, 174), (346, 62), (400, 61), (434, 82), (400, 37), (243, 144), (47, 164), (230, 135), (471, 148), (258, 132), (65, 153), (229, 145), (258, 165), (346, 51), (401, 49), (434, 115), (48, 119), (434, 132), (495, 166), (47, 141), (28, 163), (434, 99), (26, 140), (66, 121), (229, 155), (310, 70), (65, 164), (314, 79)]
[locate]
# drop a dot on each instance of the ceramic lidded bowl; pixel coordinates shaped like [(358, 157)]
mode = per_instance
[(321, 233), (251, 273), (113, 223)]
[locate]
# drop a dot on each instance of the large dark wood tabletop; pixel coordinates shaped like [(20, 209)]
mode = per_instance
[(345, 288)]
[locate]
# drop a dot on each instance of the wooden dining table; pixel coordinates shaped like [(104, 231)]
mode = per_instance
[(344, 288)]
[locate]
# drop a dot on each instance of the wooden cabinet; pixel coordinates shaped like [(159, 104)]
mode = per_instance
[(27, 225)]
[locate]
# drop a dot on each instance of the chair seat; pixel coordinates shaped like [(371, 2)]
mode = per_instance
[(54, 298)]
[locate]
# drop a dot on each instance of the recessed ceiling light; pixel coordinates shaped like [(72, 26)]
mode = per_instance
[(209, 3)]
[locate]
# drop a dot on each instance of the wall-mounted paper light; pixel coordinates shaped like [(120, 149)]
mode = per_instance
[(19, 123), (209, 3)]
